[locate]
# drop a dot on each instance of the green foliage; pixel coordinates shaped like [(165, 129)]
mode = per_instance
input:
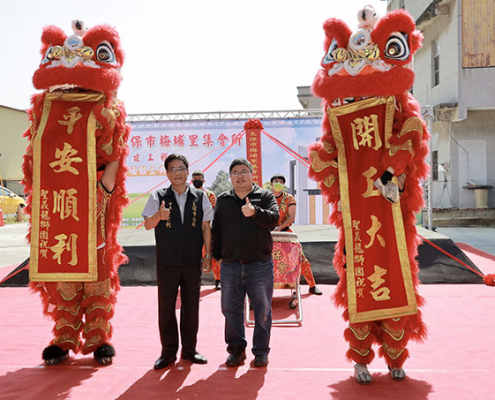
[(221, 183)]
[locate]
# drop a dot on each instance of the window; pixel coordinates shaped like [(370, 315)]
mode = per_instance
[(434, 165), (436, 63)]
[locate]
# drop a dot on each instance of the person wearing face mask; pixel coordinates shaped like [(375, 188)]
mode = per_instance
[(198, 180), (287, 210)]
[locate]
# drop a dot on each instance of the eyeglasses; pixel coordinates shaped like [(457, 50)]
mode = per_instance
[(237, 173), (179, 169)]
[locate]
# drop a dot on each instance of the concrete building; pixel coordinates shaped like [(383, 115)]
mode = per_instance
[(455, 79), (455, 76), (13, 123), (306, 98)]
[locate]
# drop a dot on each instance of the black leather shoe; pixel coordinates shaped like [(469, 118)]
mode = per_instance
[(260, 361), (218, 286), (235, 359), (195, 358), (164, 362), (315, 290)]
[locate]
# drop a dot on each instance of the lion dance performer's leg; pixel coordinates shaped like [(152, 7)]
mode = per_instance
[(100, 297), (62, 302), (393, 339), (306, 271), (67, 315), (360, 338), (215, 267), (98, 302)]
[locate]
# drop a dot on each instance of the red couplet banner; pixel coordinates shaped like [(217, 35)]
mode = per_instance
[(63, 220), (379, 277), (253, 149)]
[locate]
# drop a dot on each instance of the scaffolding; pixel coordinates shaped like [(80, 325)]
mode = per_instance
[(226, 115)]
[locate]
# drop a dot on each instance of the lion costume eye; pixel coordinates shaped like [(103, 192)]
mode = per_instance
[(48, 56), (397, 47), (329, 57), (104, 53)]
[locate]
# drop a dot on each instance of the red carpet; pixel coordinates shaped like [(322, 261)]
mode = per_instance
[(307, 362), (484, 261)]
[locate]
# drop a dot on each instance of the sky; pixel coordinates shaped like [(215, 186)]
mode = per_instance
[(185, 55)]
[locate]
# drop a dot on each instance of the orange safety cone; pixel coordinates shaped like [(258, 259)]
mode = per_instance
[(1, 217)]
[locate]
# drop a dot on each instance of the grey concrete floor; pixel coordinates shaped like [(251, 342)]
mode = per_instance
[(480, 237), (14, 248)]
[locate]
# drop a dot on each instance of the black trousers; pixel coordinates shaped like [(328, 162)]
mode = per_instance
[(170, 278)]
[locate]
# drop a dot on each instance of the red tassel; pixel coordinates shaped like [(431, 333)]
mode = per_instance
[(489, 280)]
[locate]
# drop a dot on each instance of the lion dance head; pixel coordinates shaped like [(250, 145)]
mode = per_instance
[(374, 60), (87, 61)]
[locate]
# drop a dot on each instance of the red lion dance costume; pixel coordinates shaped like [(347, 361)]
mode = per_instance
[(74, 173), (369, 164)]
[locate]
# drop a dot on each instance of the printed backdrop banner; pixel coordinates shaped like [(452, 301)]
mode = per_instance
[(63, 228), (203, 141), (378, 271)]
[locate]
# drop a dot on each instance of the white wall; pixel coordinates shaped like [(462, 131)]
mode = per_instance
[(13, 123), (445, 30), (442, 189), (472, 168)]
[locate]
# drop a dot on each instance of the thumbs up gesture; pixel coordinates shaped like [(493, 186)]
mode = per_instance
[(164, 213), (248, 209)]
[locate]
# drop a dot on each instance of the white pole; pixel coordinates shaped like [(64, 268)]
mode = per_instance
[(429, 199), (427, 113)]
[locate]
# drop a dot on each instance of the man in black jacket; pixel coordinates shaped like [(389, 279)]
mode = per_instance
[(244, 217), (181, 218)]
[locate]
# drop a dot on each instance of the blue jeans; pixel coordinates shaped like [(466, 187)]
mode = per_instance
[(256, 280)]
